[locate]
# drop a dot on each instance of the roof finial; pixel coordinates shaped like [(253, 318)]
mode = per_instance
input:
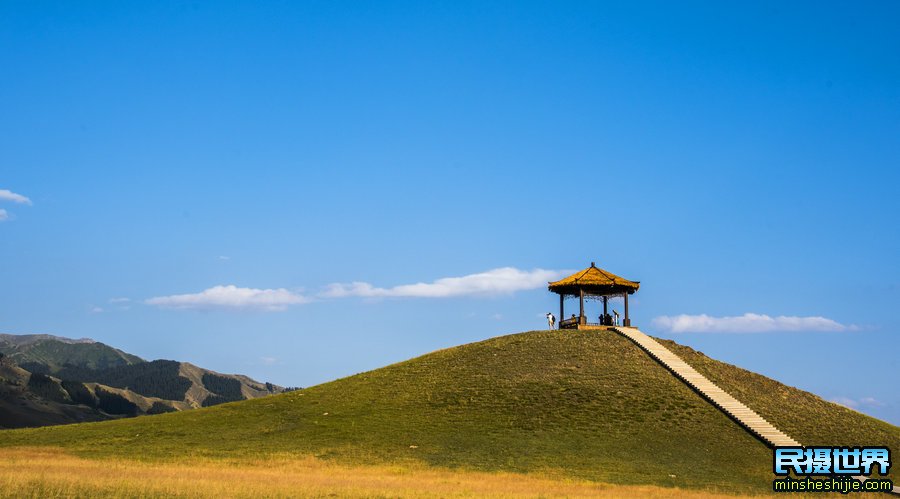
[(592, 264)]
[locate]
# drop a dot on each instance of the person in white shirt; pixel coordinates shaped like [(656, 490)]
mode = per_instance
[(551, 320)]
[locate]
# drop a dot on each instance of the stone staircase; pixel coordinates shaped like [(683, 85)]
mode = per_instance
[(739, 412), (745, 416)]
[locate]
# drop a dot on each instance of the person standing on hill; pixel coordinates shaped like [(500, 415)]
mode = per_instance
[(551, 320)]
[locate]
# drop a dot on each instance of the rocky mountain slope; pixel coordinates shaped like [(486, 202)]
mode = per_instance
[(47, 380)]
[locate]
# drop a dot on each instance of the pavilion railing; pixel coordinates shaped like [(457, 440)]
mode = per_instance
[(569, 323), (574, 322)]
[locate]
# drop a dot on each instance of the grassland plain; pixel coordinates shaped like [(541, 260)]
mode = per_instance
[(571, 406), (46, 473)]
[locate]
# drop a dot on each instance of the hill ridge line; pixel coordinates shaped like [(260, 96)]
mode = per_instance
[(743, 415)]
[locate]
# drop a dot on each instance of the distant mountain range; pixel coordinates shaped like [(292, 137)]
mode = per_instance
[(48, 380)]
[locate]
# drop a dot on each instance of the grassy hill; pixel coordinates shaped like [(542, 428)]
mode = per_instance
[(587, 405)]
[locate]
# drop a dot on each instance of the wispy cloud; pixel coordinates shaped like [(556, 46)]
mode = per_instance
[(500, 281), (858, 403), (493, 282), (122, 302), (96, 310), (748, 323), (231, 297), (8, 195)]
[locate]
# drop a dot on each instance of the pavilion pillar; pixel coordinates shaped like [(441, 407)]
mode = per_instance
[(581, 306), (627, 322), (603, 319), (561, 316)]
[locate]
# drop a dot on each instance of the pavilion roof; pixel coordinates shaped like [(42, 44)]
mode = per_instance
[(595, 281)]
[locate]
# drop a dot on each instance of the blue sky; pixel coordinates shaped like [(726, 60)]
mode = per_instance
[(205, 181)]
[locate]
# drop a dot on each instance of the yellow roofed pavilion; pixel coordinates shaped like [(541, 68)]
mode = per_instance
[(597, 283)]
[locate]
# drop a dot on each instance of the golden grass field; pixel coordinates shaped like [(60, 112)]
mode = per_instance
[(47, 473)]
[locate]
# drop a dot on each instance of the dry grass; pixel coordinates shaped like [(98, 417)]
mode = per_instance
[(47, 473)]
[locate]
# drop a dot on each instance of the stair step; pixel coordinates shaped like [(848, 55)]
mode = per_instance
[(719, 398)]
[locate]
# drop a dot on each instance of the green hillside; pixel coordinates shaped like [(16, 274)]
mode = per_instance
[(581, 404), (48, 354), (809, 419)]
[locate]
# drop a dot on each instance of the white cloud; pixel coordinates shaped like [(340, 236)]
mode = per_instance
[(857, 403), (269, 361), (224, 257), (122, 302), (747, 323), (96, 310), (231, 297), (3, 215), (7, 195), (846, 402), (500, 281)]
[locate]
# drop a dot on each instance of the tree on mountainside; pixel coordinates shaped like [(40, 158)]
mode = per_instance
[(46, 387), (214, 399), (79, 393), (160, 378), (227, 389), (113, 403), (160, 408)]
